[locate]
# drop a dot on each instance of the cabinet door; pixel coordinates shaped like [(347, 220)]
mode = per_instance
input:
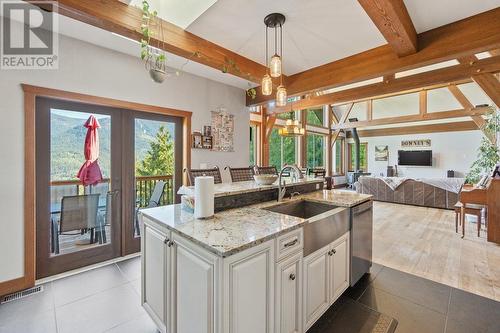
[(155, 276), (316, 285), (249, 290), (288, 311), (194, 277), (339, 266)]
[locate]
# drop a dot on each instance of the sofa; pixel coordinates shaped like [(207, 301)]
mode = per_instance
[(410, 192)]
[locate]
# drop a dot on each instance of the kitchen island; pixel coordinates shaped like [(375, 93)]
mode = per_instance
[(247, 269)]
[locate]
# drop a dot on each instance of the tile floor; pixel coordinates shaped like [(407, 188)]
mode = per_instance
[(107, 300)]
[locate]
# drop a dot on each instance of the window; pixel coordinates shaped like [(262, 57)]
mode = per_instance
[(338, 155), (281, 149), (315, 150), (363, 156), (315, 117), (253, 144)]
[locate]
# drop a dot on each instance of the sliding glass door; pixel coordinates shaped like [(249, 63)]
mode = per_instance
[(78, 172), (154, 165), (96, 167)]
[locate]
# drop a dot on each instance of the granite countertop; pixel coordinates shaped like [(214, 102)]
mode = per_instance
[(226, 189), (235, 230)]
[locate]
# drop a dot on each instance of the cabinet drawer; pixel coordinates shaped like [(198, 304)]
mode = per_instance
[(289, 243)]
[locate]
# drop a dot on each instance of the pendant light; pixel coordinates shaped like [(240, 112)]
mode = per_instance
[(275, 68), (267, 82)]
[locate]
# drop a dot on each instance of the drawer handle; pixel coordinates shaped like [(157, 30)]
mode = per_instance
[(292, 277), (292, 243)]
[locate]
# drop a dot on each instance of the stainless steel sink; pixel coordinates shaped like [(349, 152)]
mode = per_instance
[(325, 222)]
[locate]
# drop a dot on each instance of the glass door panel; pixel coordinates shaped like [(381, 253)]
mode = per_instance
[(77, 186)]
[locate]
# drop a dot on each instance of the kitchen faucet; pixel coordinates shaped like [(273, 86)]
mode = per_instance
[(297, 174)]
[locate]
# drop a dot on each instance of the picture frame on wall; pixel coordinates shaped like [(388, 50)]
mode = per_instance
[(381, 153), (207, 130)]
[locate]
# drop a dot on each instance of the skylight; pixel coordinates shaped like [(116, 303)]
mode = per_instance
[(179, 12)]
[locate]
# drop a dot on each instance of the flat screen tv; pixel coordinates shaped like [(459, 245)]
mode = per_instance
[(415, 157)]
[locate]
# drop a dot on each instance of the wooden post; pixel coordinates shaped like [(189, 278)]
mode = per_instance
[(329, 149)]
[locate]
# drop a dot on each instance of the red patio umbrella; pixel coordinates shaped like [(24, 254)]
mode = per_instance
[(90, 172)]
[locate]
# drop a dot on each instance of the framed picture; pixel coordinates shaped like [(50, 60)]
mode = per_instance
[(381, 153), (207, 130), (197, 140)]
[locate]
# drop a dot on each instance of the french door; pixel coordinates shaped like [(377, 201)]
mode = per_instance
[(85, 220)]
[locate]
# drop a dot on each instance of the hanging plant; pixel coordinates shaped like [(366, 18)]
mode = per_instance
[(155, 59), (488, 153)]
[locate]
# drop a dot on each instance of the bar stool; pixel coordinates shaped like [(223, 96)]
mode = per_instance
[(469, 209)]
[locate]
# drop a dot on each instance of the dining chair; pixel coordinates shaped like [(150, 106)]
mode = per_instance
[(193, 173), (240, 174), (78, 212), (266, 170)]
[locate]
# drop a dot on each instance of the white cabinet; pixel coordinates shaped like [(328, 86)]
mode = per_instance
[(156, 279), (316, 285), (288, 311), (326, 277), (194, 292), (249, 290), (339, 267)]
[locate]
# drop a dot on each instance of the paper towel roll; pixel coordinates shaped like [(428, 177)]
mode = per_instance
[(203, 197)]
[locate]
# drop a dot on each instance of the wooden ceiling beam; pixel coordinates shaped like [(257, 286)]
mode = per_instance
[(394, 23), (472, 35), (436, 78), (420, 129), (122, 19), (414, 118)]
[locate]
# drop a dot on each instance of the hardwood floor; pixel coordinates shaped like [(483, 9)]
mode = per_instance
[(422, 241)]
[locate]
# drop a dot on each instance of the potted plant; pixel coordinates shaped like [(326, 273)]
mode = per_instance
[(488, 153), (155, 59)]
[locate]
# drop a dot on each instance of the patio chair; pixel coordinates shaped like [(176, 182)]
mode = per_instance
[(78, 212), (106, 218), (193, 173), (266, 170), (240, 174), (154, 201)]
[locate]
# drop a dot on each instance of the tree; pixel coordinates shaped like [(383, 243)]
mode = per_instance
[(159, 159), (488, 153)]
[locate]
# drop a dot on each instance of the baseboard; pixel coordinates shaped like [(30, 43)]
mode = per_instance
[(11, 286)]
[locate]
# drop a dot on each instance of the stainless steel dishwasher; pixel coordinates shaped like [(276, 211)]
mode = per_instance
[(361, 240)]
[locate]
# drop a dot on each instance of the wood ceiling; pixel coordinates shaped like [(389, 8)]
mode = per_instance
[(405, 50)]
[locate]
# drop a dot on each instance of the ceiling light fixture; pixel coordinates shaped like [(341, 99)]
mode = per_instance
[(275, 67), (292, 126)]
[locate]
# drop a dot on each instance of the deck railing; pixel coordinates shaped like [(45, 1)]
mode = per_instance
[(144, 186)]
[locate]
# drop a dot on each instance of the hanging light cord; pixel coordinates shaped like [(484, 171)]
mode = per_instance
[(281, 53), (267, 43)]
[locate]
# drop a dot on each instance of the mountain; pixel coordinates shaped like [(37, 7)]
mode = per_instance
[(67, 140)]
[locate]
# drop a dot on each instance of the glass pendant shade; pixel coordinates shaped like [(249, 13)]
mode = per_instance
[(267, 85), (281, 96), (275, 66)]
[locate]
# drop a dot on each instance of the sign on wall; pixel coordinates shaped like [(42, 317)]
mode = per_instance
[(416, 143), (222, 131)]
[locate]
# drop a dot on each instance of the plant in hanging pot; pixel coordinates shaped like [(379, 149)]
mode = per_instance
[(488, 153), (155, 59)]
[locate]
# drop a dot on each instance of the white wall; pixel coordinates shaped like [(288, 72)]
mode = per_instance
[(89, 69), (451, 151)]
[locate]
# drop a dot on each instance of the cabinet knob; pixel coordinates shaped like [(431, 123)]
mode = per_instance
[(170, 243), (334, 251), (166, 240), (292, 277), (330, 253)]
